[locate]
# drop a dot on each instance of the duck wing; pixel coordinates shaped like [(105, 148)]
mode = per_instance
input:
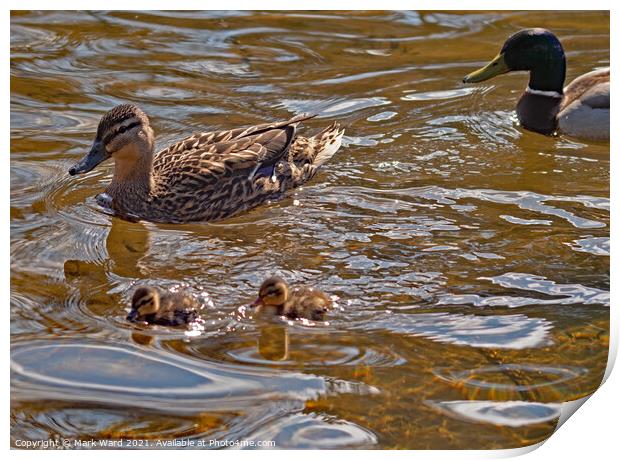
[(597, 97), (176, 309), (585, 109), (208, 157), (220, 174), (202, 143), (591, 89), (307, 303)]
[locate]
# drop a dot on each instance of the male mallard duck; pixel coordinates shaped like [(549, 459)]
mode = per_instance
[(207, 176), (581, 109), (299, 302), (150, 305)]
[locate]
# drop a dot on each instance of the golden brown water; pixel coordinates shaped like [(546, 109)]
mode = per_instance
[(470, 258)]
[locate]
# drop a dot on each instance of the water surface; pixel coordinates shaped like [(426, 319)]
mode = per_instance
[(470, 258)]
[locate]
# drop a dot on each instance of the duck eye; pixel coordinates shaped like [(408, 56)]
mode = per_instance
[(145, 305), (122, 129)]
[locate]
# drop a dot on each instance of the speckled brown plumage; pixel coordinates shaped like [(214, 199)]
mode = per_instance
[(172, 308), (294, 303), (207, 176), (305, 302)]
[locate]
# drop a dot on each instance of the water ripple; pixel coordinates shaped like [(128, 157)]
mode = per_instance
[(593, 245), (437, 215), (111, 374), (504, 413), (315, 431), (514, 378), (491, 331), (568, 294)]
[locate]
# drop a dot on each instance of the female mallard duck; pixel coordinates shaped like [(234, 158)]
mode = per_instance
[(151, 306), (299, 302), (207, 176), (581, 109)]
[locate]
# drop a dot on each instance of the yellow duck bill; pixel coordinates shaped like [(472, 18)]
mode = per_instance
[(96, 155), (496, 67)]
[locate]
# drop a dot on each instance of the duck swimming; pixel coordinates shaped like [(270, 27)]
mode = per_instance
[(581, 109), (207, 176), (151, 306), (300, 302)]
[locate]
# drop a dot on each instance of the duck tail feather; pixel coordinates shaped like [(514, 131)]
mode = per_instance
[(327, 143)]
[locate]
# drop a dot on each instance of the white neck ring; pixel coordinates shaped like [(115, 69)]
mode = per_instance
[(539, 92)]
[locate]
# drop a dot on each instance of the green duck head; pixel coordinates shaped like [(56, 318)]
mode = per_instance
[(535, 50)]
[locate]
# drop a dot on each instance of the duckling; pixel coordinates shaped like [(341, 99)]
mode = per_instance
[(581, 109), (150, 305), (208, 176), (299, 302)]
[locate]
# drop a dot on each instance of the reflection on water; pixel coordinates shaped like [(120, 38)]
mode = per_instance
[(514, 380), (568, 293), (509, 413), (593, 245), (172, 383), (437, 218), (490, 331)]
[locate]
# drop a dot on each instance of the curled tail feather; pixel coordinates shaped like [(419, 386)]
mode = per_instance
[(316, 150), (327, 143), (307, 154)]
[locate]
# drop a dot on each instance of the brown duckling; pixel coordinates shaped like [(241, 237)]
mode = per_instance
[(299, 302), (163, 308)]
